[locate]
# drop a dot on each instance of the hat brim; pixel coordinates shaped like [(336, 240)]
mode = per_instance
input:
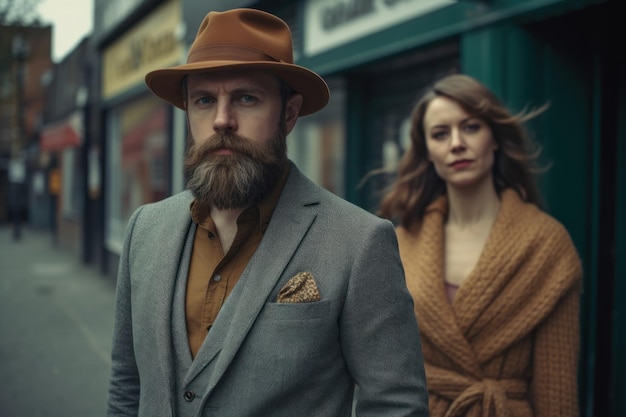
[(167, 83)]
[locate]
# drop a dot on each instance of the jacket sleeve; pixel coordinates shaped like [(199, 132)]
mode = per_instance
[(555, 360), (123, 396), (379, 332)]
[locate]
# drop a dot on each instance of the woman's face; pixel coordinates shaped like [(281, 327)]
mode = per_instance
[(460, 146)]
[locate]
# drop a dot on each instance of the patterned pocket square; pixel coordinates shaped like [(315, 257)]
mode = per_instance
[(301, 288)]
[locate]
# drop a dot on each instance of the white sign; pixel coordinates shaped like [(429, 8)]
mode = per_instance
[(331, 23), (39, 183), (17, 170)]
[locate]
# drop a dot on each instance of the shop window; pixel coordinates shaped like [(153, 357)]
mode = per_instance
[(317, 143), (138, 161)]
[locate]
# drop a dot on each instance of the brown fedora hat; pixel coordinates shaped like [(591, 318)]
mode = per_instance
[(242, 39)]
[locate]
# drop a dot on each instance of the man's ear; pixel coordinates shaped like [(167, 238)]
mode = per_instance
[(292, 111)]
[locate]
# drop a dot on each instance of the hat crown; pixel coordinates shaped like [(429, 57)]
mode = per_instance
[(244, 34), (242, 39)]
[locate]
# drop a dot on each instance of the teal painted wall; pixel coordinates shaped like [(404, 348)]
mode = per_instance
[(619, 323)]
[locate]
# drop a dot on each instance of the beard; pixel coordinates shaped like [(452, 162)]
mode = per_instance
[(237, 180)]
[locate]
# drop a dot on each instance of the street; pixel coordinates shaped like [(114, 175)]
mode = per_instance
[(56, 319)]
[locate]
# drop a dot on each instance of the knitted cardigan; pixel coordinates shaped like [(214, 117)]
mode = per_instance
[(508, 343)]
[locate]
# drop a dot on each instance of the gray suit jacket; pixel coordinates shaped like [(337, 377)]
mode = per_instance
[(262, 358)]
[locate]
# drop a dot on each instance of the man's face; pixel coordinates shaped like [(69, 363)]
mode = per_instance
[(238, 129)]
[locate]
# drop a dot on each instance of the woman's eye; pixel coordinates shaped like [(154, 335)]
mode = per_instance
[(472, 127), (438, 135)]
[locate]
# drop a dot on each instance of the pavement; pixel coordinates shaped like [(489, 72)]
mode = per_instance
[(56, 321)]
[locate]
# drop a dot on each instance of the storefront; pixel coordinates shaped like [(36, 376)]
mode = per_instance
[(139, 139), (58, 190)]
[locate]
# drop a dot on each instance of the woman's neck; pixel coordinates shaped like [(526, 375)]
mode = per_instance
[(473, 205)]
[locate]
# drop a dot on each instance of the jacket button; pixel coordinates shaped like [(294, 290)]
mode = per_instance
[(189, 396)]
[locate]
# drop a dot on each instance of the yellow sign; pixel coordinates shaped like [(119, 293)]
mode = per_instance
[(154, 43), (54, 182)]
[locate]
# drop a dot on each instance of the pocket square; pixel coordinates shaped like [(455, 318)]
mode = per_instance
[(301, 288)]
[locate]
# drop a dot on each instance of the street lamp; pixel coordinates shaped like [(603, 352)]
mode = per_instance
[(17, 167)]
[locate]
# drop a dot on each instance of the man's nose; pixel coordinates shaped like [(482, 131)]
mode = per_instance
[(225, 119)]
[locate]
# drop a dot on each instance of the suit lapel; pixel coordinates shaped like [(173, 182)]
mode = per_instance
[(293, 215)]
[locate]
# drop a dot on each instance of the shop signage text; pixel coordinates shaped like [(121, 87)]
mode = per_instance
[(141, 52), (331, 23), (153, 43)]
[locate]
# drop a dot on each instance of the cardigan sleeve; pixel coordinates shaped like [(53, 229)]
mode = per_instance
[(555, 360)]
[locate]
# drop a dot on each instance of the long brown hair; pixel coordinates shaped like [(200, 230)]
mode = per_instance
[(417, 184)]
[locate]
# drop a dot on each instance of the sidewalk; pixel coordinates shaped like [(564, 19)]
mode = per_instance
[(56, 320)]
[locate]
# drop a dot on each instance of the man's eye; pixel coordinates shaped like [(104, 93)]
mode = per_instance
[(247, 98), (204, 100)]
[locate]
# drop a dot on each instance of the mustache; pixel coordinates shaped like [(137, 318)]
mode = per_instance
[(202, 150)]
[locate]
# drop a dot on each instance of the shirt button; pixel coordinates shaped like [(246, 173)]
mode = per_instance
[(217, 278), (189, 396), (211, 235)]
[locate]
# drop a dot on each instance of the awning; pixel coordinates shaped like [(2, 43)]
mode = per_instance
[(59, 135)]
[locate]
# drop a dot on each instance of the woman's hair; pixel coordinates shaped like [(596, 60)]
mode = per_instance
[(417, 184)]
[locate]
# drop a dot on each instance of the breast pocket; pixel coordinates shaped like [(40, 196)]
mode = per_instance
[(289, 333), (296, 311)]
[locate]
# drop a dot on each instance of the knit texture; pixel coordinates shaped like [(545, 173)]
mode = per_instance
[(508, 344)]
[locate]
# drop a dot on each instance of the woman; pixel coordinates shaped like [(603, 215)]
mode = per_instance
[(495, 280)]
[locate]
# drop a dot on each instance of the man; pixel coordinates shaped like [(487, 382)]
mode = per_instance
[(256, 292)]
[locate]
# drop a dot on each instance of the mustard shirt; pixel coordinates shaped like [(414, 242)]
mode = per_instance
[(212, 273)]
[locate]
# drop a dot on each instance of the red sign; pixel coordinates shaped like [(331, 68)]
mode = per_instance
[(60, 135)]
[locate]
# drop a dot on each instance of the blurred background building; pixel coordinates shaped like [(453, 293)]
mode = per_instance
[(24, 64), (105, 144)]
